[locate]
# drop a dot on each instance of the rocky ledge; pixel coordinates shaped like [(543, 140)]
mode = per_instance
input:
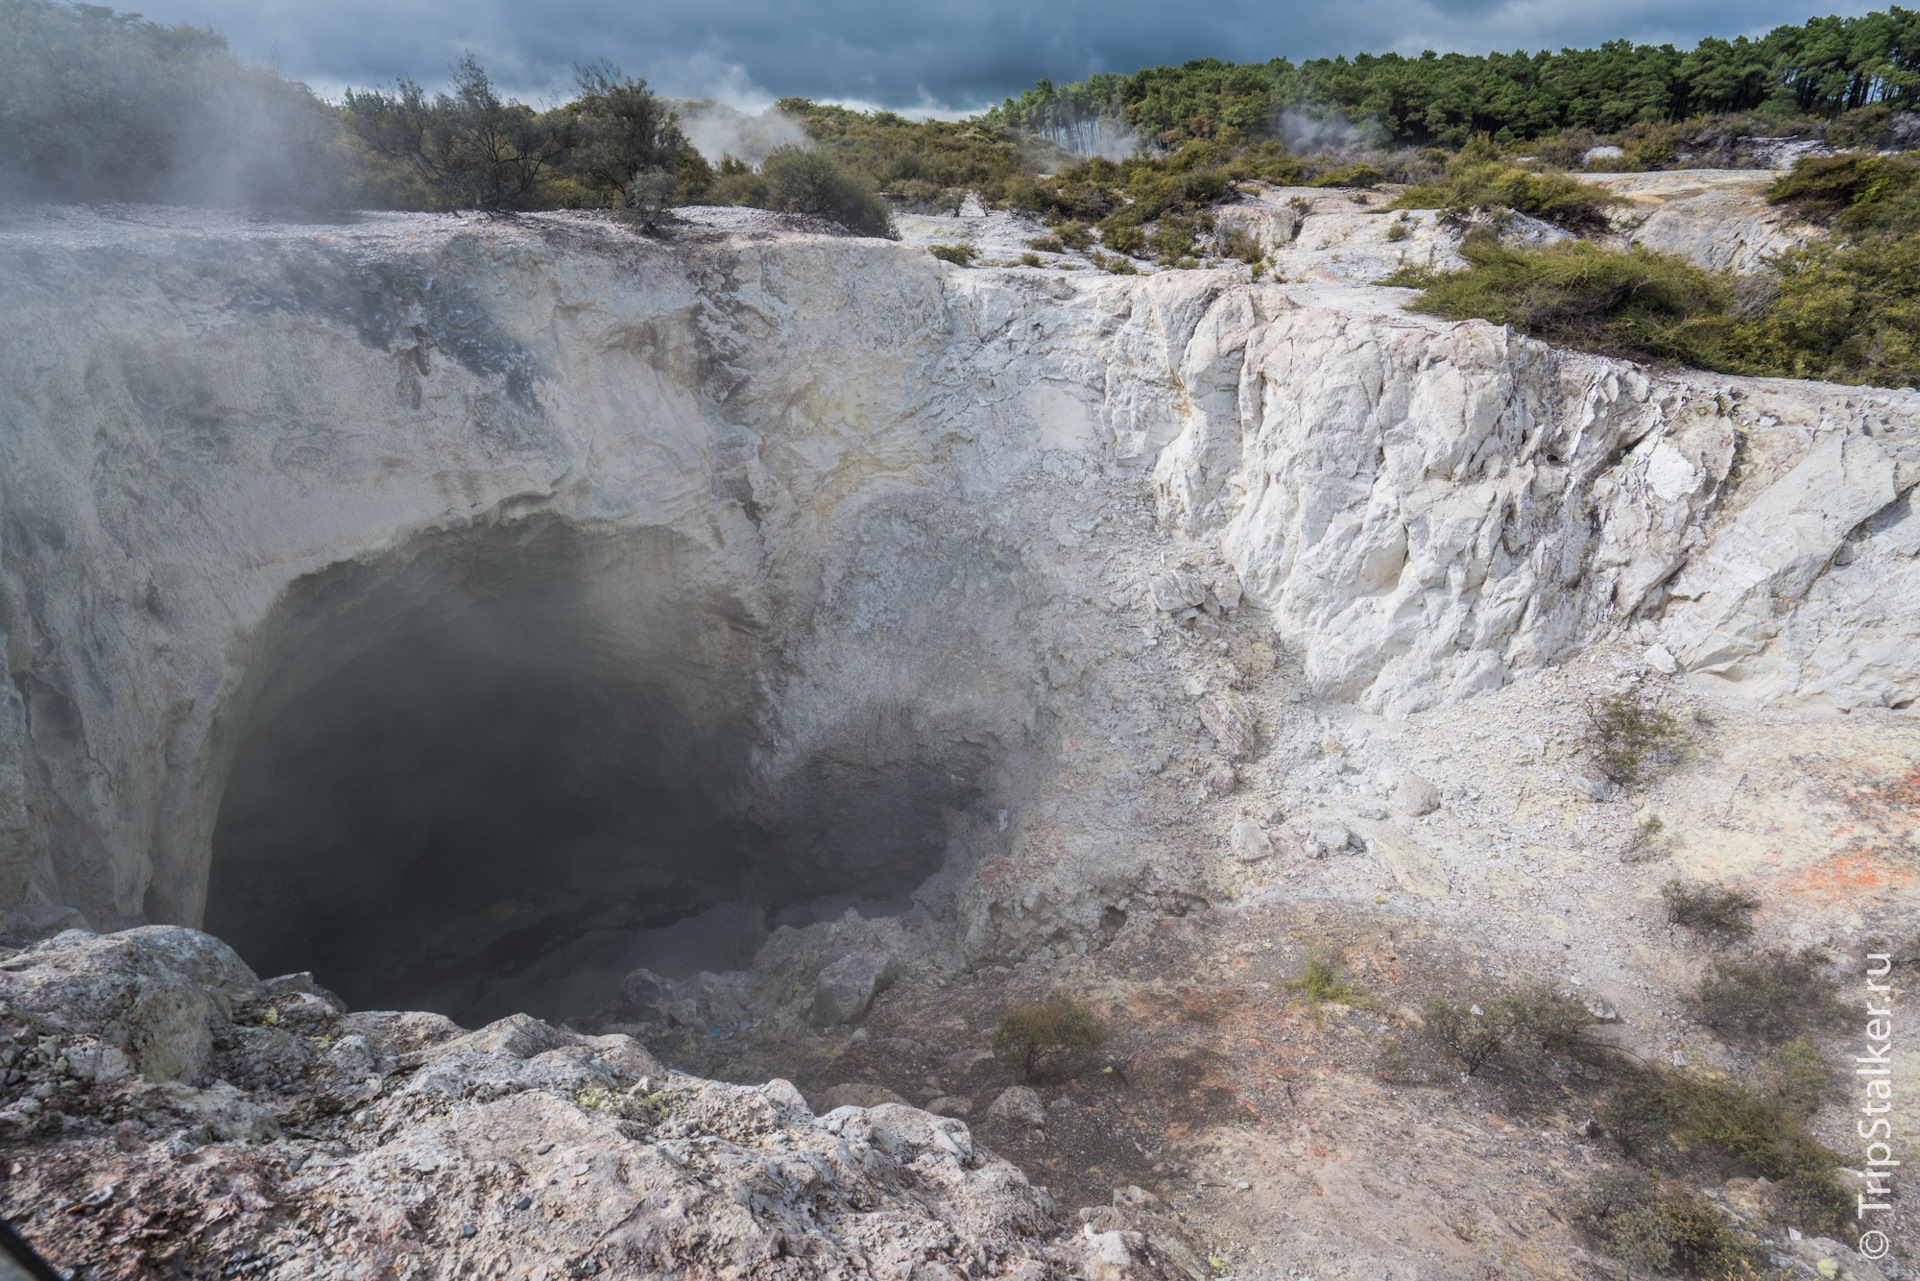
[(186, 1119)]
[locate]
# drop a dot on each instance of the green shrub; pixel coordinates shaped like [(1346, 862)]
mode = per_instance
[(1769, 998), (1632, 737), (1047, 245), (1030, 260), (1123, 238), (1845, 309), (1836, 311), (1398, 229), (1665, 1233), (1566, 149), (1495, 184), (1112, 264), (1238, 242), (1711, 911), (810, 182), (1049, 1034), (1803, 1072), (1852, 189), (1636, 303), (1660, 1116), (1074, 235), (961, 255), (1320, 983), (469, 149)]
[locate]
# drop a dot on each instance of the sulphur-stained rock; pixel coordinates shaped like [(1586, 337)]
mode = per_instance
[(846, 988)]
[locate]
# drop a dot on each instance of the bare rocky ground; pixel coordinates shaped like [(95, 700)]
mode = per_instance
[(166, 1114)]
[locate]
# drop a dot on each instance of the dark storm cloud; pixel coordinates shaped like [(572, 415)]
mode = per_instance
[(947, 54)]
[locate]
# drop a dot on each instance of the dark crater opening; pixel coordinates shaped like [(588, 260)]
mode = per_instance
[(511, 801)]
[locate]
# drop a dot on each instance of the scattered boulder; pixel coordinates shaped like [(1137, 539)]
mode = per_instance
[(1222, 779), (1328, 838), (951, 1105), (1018, 1103), (1415, 796), (644, 994), (1250, 843), (1661, 660), (1176, 590), (854, 1094), (846, 989)]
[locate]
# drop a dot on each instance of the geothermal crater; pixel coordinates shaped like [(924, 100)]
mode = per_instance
[(678, 638), (500, 768)]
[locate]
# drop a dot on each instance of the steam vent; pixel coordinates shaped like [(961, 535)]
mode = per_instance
[(537, 749)]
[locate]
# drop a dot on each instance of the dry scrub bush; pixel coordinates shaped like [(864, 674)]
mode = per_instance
[(1713, 912), (1517, 1032), (961, 255), (1053, 1034), (1769, 997)]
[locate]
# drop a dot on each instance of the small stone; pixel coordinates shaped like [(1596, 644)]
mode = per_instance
[(1597, 788), (1222, 779), (1661, 660), (1230, 723), (1018, 1103), (1600, 1010), (855, 1094), (524, 1203), (846, 989), (1243, 1185), (1250, 844), (1415, 796), (1175, 591), (469, 1230), (1329, 838)]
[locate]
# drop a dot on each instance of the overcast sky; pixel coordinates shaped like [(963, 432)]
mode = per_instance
[(944, 55)]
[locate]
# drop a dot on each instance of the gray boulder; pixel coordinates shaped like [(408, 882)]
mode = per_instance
[(1250, 843), (1415, 796), (1018, 1103), (846, 988)]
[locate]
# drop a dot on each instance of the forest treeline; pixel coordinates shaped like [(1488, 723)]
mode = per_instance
[(1823, 68)]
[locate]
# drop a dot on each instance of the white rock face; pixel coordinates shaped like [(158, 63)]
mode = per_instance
[(1718, 218), (234, 455)]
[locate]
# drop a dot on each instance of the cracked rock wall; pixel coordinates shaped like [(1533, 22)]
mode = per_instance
[(202, 414)]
